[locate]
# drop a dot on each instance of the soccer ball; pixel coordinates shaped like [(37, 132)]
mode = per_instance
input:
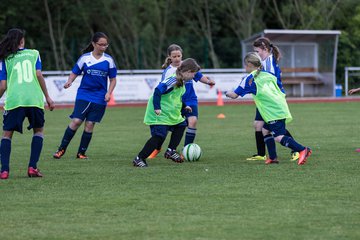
[(192, 152)]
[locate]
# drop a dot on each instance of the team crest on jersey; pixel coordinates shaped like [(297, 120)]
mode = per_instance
[(151, 82), (59, 84)]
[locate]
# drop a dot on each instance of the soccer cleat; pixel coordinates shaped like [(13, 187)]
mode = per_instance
[(138, 162), (303, 155), (174, 155), (59, 153), (271, 161), (357, 150), (4, 175), (294, 156), (34, 172), (81, 156), (256, 157), (154, 153)]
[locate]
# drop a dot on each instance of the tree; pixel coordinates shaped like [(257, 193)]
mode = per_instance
[(202, 21), (244, 17), (304, 14)]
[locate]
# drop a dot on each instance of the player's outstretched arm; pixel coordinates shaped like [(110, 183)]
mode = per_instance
[(231, 94), (354, 90)]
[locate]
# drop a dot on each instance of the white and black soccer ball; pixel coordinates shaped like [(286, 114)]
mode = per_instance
[(192, 152)]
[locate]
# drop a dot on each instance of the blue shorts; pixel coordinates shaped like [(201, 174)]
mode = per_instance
[(194, 112), (92, 112), (162, 130), (258, 116), (276, 127), (13, 119)]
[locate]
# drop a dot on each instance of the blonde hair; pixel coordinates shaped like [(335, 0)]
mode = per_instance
[(188, 64), (255, 60), (171, 48)]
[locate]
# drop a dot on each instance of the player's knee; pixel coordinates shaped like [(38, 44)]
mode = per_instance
[(89, 126), (192, 121), (279, 138), (258, 125), (75, 123)]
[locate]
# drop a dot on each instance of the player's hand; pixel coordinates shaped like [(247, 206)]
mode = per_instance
[(157, 111), (211, 83), (50, 103), (188, 109), (354, 90), (67, 84), (107, 97), (231, 94)]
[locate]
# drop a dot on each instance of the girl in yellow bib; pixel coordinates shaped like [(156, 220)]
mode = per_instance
[(163, 113), (272, 105)]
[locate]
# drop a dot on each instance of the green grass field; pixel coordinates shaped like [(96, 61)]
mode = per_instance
[(222, 196)]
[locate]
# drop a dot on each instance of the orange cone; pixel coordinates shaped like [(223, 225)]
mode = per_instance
[(111, 101), (221, 116), (220, 101)]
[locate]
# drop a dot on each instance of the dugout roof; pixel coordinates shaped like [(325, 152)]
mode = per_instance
[(285, 35)]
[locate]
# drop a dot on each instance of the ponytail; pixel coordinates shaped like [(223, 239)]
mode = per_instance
[(276, 52), (265, 44), (166, 63), (95, 38), (188, 64)]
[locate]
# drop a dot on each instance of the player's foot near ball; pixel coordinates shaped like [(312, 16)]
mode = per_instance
[(173, 155)]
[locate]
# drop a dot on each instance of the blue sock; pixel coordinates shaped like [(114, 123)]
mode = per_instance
[(85, 140), (292, 144), (68, 135), (270, 144), (36, 147), (5, 150), (190, 135)]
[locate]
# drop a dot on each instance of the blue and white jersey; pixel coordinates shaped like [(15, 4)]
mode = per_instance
[(270, 65), (166, 84), (93, 86), (167, 78), (3, 72), (189, 97), (246, 86)]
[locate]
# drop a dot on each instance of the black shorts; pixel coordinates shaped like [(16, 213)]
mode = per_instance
[(162, 130), (92, 112), (14, 118), (277, 127)]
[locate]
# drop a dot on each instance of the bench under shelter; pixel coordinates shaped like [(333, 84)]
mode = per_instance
[(308, 61)]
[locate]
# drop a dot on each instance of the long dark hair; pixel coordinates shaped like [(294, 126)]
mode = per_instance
[(171, 48), (10, 44), (265, 44), (188, 64), (95, 38)]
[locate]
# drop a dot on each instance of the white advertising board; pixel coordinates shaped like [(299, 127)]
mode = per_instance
[(139, 87)]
